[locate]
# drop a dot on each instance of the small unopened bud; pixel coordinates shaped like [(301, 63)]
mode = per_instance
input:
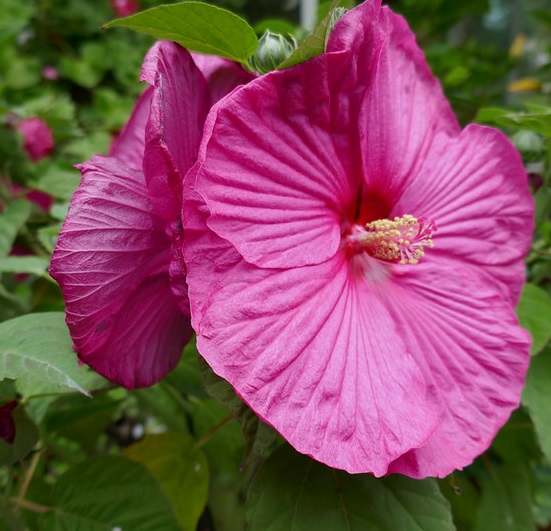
[(273, 49)]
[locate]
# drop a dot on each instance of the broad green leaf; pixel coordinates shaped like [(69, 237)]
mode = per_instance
[(26, 436), (258, 436), (314, 44), (506, 502), (198, 27), (180, 469), (534, 314), (539, 120), (536, 398), (11, 219), (58, 180), (294, 493), (464, 497), (517, 440), (107, 493), (32, 265), (36, 351)]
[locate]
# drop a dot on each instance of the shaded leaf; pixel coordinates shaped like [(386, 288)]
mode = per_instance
[(506, 502), (105, 493), (535, 397), (293, 492), (258, 436), (26, 436), (196, 26), (36, 350), (534, 314), (181, 470)]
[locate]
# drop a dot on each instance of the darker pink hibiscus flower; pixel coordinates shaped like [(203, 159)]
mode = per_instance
[(354, 258), (114, 256)]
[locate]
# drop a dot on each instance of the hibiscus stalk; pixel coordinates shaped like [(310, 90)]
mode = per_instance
[(19, 500)]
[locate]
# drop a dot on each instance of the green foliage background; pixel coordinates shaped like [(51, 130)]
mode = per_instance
[(186, 453)]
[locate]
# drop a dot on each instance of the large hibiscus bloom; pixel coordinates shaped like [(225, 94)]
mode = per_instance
[(114, 257), (354, 257)]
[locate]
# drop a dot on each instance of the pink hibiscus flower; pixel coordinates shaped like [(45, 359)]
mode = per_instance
[(37, 138), (354, 258), (113, 258)]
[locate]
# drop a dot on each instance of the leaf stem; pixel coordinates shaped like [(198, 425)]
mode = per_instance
[(203, 440), (37, 508), (29, 473)]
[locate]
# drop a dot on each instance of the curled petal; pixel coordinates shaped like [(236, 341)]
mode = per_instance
[(112, 261)]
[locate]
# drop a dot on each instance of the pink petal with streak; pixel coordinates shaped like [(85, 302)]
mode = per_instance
[(466, 339), (111, 261), (312, 350), (476, 190)]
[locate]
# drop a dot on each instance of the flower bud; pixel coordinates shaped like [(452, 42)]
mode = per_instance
[(273, 49)]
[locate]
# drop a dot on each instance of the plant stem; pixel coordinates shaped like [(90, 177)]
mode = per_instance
[(20, 500), (203, 440)]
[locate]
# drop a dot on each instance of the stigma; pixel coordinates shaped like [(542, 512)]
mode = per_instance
[(401, 240)]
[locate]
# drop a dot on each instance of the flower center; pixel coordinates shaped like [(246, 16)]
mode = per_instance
[(400, 241)]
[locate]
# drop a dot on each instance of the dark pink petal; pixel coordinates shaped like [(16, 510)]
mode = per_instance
[(465, 337), (37, 138), (222, 75), (476, 190), (129, 145), (112, 261), (124, 8), (278, 165), (312, 350), (179, 107)]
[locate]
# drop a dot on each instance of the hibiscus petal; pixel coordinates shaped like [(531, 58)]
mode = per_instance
[(129, 146), (476, 190), (404, 106), (222, 75), (111, 261), (310, 349), (178, 110), (280, 194), (465, 337)]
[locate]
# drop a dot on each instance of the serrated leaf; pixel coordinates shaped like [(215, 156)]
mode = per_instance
[(196, 26), (32, 265), (293, 492), (313, 45), (534, 314), (11, 219), (36, 351), (106, 493), (535, 397), (506, 502), (181, 470)]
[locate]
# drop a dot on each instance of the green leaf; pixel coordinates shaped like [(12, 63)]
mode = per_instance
[(59, 180), (506, 502), (293, 492), (106, 493), (196, 26), (32, 265), (314, 44), (11, 219), (26, 436), (181, 470), (536, 398), (36, 350), (534, 314)]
